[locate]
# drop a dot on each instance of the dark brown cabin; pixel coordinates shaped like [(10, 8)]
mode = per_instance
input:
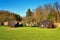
[(47, 24), (12, 23)]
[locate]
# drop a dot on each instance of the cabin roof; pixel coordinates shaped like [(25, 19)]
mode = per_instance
[(46, 21)]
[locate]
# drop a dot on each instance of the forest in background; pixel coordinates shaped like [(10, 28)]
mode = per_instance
[(45, 12), (9, 16)]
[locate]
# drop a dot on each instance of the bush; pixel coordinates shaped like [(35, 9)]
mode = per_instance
[(35, 25)]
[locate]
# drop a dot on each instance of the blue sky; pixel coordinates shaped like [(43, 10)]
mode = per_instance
[(20, 6)]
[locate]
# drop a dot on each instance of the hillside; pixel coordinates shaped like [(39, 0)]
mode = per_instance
[(6, 16)]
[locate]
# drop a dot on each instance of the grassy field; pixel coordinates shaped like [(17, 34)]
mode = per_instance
[(29, 33)]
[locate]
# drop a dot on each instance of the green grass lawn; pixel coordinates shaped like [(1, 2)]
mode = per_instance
[(29, 33)]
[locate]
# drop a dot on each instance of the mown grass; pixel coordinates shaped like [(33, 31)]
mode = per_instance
[(29, 33)]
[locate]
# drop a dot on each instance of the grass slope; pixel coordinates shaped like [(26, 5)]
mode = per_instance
[(28, 33)]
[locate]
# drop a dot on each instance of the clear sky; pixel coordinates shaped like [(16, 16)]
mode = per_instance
[(20, 6)]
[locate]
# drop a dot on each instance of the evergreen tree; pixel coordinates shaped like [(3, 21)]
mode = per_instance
[(29, 16), (29, 13)]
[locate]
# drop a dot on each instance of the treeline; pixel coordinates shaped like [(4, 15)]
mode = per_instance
[(7, 16), (45, 12)]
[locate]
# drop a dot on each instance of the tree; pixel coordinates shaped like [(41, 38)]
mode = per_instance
[(7, 16), (49, 16), (56, 7), (18, 17), (29, 16), (39, 14), (29, 13)]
